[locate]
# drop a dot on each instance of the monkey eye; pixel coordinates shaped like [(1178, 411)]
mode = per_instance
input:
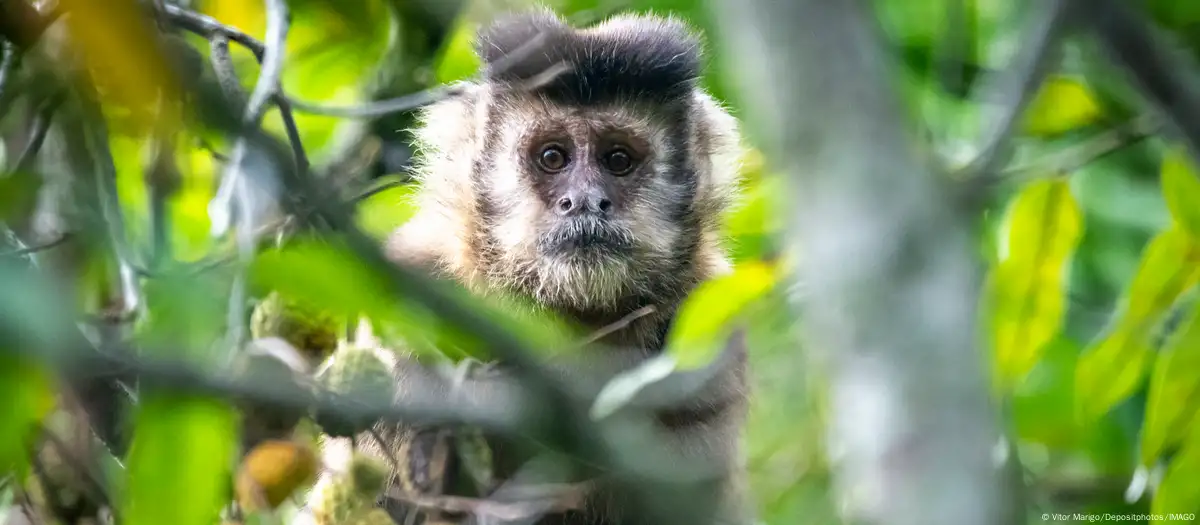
[(552, 158), (618, 161)]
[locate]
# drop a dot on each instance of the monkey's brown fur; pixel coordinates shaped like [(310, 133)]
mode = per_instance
[(487, 214)]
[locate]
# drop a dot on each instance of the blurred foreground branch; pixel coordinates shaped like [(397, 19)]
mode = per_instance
[(892, 287), (1165, 77)]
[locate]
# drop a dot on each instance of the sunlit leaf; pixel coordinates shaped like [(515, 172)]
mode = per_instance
[(325, 274), (1174, 390), (1028, 288), (330, 275), (704, 319), (180, 460), (25, 398), (385, 211), (1115, 365), (126, 62), (1181, 189), (1061, 105), (458, 60), (1178, 493)]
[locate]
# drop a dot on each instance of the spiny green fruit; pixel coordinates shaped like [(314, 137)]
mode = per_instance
[(361, 373), (312, 331), (349, 496), (358, 370)]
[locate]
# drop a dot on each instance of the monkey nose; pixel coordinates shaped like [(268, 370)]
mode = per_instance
[(579, 203)]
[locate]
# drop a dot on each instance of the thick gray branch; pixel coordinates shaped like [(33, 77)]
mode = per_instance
[(891, 284)]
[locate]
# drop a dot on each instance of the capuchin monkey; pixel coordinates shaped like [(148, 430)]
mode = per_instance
[(588, 171)]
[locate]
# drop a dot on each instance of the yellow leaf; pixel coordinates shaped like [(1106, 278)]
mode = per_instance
[(1109, 371), (706, 315), (117, 43), (1174, 387), (1027, 289), (1168, 268), (1061, 105), (1181, 190), (1179, 493), (1114, 366)]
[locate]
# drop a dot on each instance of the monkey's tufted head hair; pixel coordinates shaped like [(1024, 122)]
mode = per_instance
[(622, 58), (587, 170)]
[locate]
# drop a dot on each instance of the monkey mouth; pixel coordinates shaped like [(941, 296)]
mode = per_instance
[(586, 236)]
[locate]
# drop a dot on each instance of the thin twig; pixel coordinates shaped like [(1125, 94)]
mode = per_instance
[(222, 65), (1166, 78), (620, 324), (208, 27), (423, 98), (95, 134), (377, 189), (1075, 158), (22, 252), (382, 107), (37, 135), (8, 68), (293, 133), (278, 20), (1017, 85)]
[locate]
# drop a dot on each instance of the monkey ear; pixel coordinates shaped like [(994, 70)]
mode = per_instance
[(508, 33)]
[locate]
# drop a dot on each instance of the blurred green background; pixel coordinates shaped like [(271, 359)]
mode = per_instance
[(1096, 385)]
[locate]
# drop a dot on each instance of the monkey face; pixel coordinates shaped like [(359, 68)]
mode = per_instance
[(590, 204)]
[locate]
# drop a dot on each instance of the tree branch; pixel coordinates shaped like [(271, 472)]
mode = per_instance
[(890, 303), (208, 27), (1165, 78), (37, 135), (1014, 88)]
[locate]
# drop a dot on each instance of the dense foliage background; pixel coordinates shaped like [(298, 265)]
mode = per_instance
[(1087, 228)]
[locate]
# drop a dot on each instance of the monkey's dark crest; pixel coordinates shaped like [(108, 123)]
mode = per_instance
[(649, 59)]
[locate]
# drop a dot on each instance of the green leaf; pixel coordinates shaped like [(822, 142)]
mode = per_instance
[(705, 317), (1178, 492), (1174, 390), (1027, 289), (1043, 403), (385, 211), (1115, 365), (18, 194), (25, 398), (458, 60), (185, 315), (1181, 190), (1061, 105), (180, 460), (330, 275), (324, 274)]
